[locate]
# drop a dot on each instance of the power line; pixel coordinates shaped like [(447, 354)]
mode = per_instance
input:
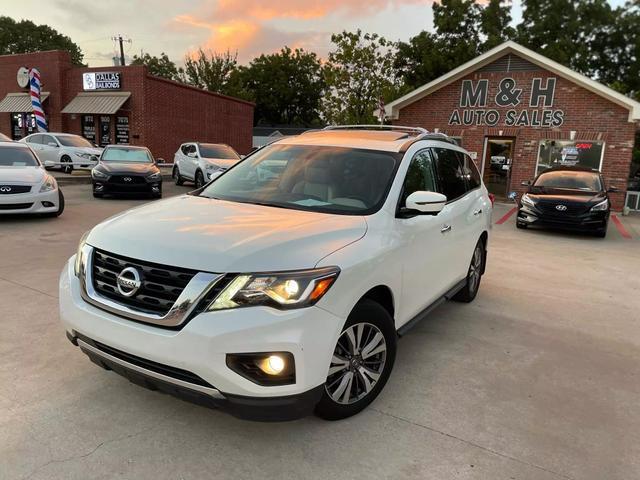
[(120, 41)]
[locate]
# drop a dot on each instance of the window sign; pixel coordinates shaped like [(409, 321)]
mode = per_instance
[(569, 153), (105, 130), (89, 128), (101, 80), (122, 130)]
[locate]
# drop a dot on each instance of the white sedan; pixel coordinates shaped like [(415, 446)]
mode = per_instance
[(63, 149), (25, 186)]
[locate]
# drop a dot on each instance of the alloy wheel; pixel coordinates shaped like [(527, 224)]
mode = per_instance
[(357, 363), (475, 270)]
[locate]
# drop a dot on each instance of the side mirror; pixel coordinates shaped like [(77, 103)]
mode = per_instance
[(612, 189), (526, 183), (513, 195), (192, 154), (426, 202), (53, 144), (159, 160)]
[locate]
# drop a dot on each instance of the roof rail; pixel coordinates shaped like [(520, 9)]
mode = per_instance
[(399, 128)]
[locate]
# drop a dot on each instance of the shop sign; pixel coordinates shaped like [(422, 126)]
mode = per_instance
[(89, 128), (101, 81), (474, 108), (122, 130)]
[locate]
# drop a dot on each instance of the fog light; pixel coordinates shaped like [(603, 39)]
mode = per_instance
[(268, 368), (47, 204), (98, 187), (272, 365), (155, 188)]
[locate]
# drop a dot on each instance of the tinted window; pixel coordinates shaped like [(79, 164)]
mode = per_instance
[(315, 178), (420, 176), (451, 179), (568, 180), (185, 149), (17, 157), (471, 173), (35, 139), (74, 141), (223, 152)]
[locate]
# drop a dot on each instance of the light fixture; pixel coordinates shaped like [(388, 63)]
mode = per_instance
[(272, 365)]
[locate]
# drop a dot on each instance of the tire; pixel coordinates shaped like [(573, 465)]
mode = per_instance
[(349, 387), (66, 168), (199, 181), (521, 226), (177, 178), (600, 233), (474, 275)]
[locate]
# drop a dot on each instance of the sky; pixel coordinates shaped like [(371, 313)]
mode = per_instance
[(250, 27)]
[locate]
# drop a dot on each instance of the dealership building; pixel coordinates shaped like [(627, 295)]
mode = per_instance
[(119, 105), (519, 113)]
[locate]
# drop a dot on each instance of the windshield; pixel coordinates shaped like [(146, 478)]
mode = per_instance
[(74, 141), (568, 180), (124, 154), (301, 177), (17, 157), (223, 152)]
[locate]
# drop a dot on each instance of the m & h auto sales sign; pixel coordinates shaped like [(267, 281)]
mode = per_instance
[(474, 97)]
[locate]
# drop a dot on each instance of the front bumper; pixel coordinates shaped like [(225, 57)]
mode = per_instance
[(109, 187), (200, 348), (585, 222), (30, 202)]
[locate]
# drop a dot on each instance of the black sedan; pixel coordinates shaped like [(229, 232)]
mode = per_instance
[(126, 170), (566, 198)]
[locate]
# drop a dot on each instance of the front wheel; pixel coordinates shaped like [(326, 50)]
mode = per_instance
[(361, 363), (474, 275), (67, 168), (199, 179)]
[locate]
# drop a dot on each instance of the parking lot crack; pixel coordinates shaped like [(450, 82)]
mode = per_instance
[(472, 444), (28, 287)]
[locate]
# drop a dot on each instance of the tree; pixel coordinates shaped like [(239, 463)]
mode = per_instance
[(495, 21), (159, 66), (217, 72), (27, 37), (358, 72), (287, 87)]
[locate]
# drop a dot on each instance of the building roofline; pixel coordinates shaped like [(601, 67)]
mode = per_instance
[(393, 108)]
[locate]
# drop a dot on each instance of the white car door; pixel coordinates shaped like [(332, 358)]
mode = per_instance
[(49, 152), (35, 142), (427, 249), (187, 168)]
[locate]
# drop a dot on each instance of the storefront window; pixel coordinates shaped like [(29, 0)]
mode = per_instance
[(105, 130), (89, 128), (569, 153)]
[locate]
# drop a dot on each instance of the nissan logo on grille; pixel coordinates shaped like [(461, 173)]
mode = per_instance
[(5, 189), (129, 282), (561, 208), (127, 179)]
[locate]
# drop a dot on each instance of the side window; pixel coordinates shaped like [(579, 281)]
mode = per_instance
[(46, 139), (184, 149), (471, 173), (35, 139), (420, 176), (450, 175)]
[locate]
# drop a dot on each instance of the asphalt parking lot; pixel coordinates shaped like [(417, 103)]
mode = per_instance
[(537, 379)]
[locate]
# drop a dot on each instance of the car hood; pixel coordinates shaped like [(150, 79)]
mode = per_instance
[(22, 175), (220, 236), (551, 197), (127, 167), (221, 162)]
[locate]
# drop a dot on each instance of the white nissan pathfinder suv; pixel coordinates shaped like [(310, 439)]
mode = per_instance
[(274, 296)]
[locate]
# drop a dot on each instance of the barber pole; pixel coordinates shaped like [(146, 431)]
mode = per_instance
[(381, 115), (34, 83)]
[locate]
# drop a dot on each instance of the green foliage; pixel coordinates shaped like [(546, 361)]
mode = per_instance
[(358, 72), (287, 87), (160, 66), (27, 37), (217, 72)]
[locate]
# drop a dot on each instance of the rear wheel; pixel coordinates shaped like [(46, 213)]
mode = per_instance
[(474, 275), (361, 363), (66, 168), (177, 178)]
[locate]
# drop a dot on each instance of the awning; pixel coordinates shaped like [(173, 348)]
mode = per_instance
[(19, 102), (102, 103)]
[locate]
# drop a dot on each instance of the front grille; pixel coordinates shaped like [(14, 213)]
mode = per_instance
[(160, 368), (572, 209), (15, 206), (120, 179), (161, 285), (11, 189)]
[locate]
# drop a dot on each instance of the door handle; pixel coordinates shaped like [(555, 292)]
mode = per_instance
[(477, 212), (445, 229)]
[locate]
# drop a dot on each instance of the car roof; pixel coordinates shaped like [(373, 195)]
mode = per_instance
[(13, 144), (385, 138)]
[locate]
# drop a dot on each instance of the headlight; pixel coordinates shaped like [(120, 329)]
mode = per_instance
[(526, 200), (48, 185), (601, 207), (84, 155), (154, 177), (78, 264), (99, 174), (282, 290), (212, 167)]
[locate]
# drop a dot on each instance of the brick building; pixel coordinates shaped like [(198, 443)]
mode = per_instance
[(519, 113), (120, 105)]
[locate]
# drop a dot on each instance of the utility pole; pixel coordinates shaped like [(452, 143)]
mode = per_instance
[(120, 40)]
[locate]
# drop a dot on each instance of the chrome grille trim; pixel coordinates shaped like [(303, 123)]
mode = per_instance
[(187, 301)]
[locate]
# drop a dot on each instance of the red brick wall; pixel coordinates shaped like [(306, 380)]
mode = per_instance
[(591, 116)]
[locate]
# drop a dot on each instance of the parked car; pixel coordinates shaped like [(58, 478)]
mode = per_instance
[(63, 150), (202, 162), (25, 186), (4, 138), (568, 198), (123, 169), (277, 297)]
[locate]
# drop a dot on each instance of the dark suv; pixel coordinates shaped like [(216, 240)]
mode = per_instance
[(567, 198)]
